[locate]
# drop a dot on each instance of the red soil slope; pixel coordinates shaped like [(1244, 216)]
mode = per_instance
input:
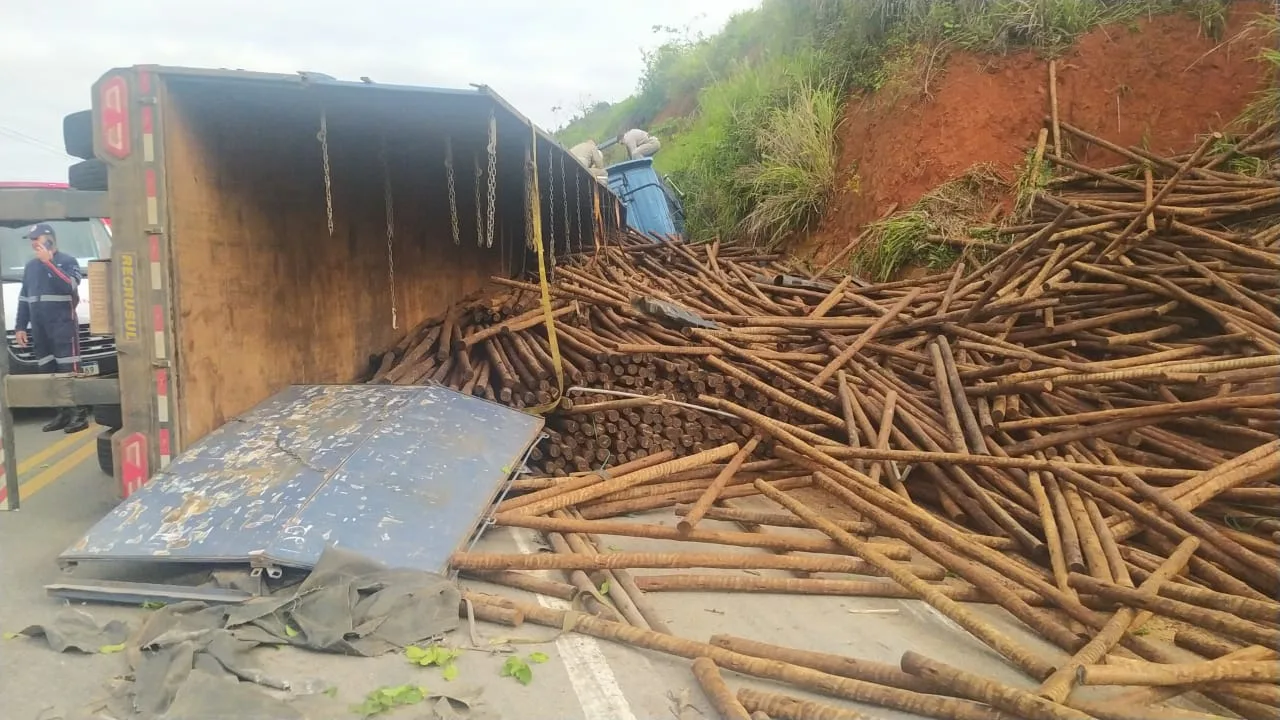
[(1156, 85)]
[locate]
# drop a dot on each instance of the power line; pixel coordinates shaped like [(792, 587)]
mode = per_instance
[(29, 136), (33, 142)]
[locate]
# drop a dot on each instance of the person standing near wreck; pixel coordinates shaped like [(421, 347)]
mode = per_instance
[(47, 305)]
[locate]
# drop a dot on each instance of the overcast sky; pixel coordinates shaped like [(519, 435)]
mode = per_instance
[(537, 55)]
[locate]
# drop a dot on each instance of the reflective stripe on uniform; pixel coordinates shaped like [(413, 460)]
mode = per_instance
[(46, 359), (24, 298), (53, 298), (65, 360)]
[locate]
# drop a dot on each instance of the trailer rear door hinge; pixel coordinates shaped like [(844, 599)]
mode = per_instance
[(259, 563)]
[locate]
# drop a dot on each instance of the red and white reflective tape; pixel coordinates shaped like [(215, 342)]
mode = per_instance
[(162, 395), (153, 199), (164, 448), (155, 263), (157, 317), (157, 272), (148, 134)]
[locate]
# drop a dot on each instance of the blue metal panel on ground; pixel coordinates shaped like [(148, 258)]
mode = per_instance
[(401, 474), (638, 186)]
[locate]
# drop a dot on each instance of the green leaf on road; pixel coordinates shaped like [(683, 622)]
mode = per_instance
[(450, 672), (604, 588), (388, 698), (432, 655), (110, 649), (516, 668), (538, 657), (290, 631), (12, 636), (414, 653)]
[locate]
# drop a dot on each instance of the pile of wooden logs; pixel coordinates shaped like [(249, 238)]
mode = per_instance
[(611, 348), (1081, 427)]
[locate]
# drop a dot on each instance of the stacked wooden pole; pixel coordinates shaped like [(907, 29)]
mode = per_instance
[(1081, 426)]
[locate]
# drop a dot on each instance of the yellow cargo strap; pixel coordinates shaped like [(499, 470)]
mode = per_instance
[(535, 209)]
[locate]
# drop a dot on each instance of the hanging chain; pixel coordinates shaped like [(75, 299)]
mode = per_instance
[(493, 175), (577, 198), (323, 137), (551, 206), (528, 199), (475, 161), (564, 192), (453, 195), (391, 231)]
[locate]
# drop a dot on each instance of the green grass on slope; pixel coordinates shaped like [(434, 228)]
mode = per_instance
[(1265, 106), (789, 185), (754, 158)]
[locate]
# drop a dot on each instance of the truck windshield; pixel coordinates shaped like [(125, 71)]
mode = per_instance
[(83, 239)]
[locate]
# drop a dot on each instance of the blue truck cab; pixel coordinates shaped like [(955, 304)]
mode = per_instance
[(653, 209)]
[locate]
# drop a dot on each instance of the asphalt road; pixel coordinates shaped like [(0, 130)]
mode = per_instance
[(47, 458), (585, 679)]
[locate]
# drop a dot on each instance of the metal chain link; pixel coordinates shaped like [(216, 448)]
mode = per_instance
[(453, 194), (475, 161), (493, 175), (323, 137), (551, 206), (528, 200), (564, 192), (577, 197), (391, 231)]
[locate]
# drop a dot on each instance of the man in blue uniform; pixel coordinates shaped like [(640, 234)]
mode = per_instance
[(50, 293)]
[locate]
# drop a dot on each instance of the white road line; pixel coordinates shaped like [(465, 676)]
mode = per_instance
[(925, 612), (592, 679)]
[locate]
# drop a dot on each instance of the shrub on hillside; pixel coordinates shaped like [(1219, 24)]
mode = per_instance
[(930, 232), (788, 187), (1265, 107), (724, 138)]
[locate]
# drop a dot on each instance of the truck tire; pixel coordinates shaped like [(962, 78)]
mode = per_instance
[(104, 452), (88, 175), (108, 416), (77, 134)]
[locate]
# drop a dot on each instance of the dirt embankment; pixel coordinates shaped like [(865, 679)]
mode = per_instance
[(1154, 84)]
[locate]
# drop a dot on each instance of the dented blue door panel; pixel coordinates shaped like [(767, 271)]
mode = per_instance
[(401, 474)]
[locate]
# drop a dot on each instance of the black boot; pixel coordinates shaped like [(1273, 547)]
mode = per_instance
[(59, 421), (79, 420)]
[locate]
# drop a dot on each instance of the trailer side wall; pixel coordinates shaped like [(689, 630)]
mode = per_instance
[(266, 297)]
